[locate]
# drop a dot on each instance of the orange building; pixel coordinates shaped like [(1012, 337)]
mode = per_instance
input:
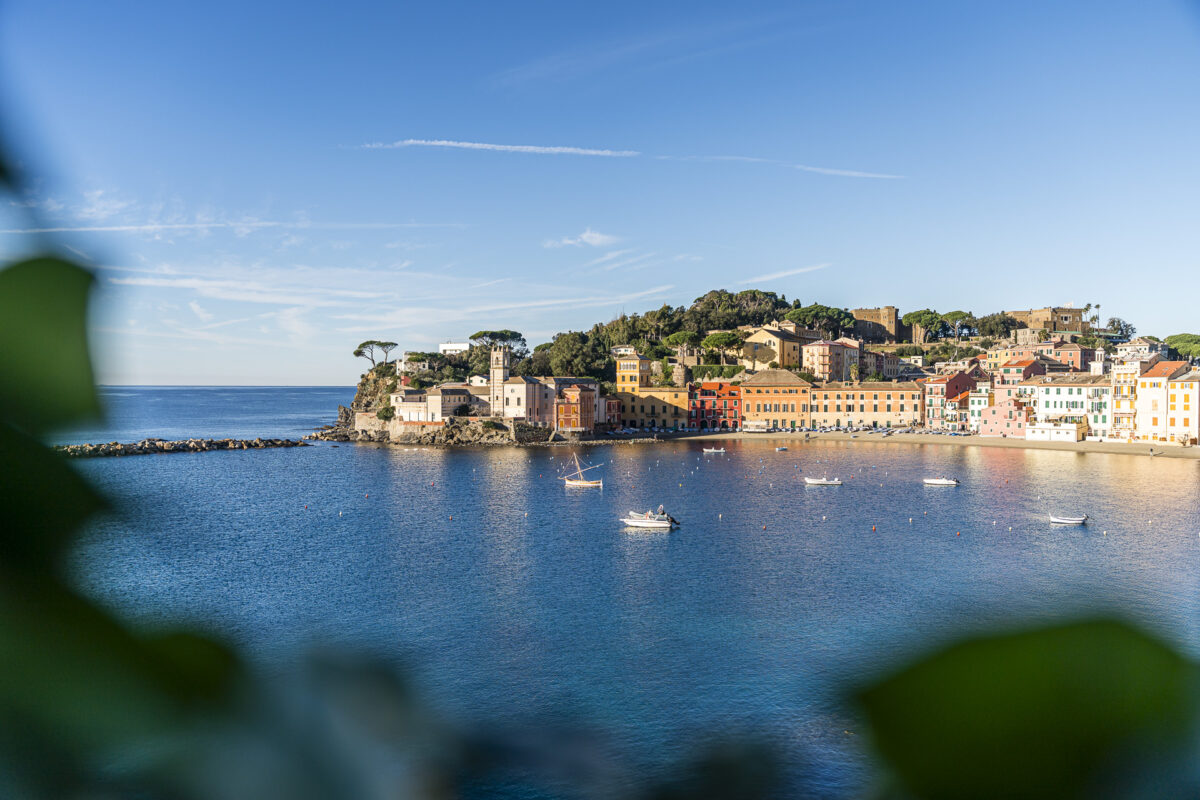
[(575, 410)]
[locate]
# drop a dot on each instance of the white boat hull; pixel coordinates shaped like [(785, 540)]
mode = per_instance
[(719, 450), (586, 484), (822, 482), (940, 482), (1057, 520), (659, 524)]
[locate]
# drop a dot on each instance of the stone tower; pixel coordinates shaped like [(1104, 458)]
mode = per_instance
[(497, 377)]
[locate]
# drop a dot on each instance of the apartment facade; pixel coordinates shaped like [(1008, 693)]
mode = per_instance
[(937, 391), (575, 409), (885, 404), (1152, 402), (1183, 408), (655, 407), (769, 345), (828, 360), (715, 405), (775, 398)]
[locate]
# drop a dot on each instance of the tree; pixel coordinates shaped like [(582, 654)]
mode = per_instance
[(957, 320), (367, 350), (986, 343), (681, 340), (1120, 328), (722, 342), (875, 377), (386, 412), (1187, 345), (998, 326), (830, 321), (386, 347), (927, 320)]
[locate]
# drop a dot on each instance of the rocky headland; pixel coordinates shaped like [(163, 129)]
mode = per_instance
[(152, 446)]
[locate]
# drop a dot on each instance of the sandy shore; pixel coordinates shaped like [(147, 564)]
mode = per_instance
[(1159, 450)]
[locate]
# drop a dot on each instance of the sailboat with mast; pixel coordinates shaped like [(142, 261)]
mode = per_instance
[(576, 478)]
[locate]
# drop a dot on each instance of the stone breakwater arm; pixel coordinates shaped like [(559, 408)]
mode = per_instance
[(151, 446)]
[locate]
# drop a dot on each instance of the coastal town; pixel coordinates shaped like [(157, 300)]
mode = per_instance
[(1055, 375)]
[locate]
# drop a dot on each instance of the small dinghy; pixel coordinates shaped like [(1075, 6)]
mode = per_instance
[(714, 449), (941, 482), (823, 481), (1067, 519), (650, 519), (780, 449)]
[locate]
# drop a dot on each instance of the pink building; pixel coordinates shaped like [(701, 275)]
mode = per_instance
[(1005, 419), (937, 391)]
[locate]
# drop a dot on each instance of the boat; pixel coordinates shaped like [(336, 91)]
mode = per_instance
[(941, 481), (649, 519), (576, 478), (823, 481), (1067, 519), (714, 449), (780, 449)]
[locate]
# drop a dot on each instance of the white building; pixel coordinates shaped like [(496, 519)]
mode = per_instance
[(1152, 401), (453, 348), (1140, 349), (1183, 408)]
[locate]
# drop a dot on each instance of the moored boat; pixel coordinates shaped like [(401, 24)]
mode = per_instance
[(1068, 519), (714, 449), (823, 481), (576, 478), (650, 519), (941, 482), (780, 449)]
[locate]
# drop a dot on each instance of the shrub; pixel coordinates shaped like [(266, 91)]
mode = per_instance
[(386, 413)]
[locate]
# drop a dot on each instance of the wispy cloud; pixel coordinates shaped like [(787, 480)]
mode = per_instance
[(581, 151), (771, 276), (846, 173), (609, 256), (199, 311), (589, 237), (100, 204), (252, 291), (504, 148)]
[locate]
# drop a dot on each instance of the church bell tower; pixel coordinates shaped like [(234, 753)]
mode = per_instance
[(497, 377)]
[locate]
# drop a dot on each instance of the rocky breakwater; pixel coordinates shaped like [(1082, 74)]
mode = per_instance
[(151, 446)]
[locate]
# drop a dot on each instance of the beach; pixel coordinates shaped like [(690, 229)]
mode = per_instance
[(784, 437)]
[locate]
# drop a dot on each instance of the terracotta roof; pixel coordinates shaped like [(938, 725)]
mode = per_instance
[(960, 396), (1164, 369), (1023, 362), (776, 377)]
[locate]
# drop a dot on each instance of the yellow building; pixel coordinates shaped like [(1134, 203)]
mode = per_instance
[(775, 398), (889, 404), (768, 345), (655, 407), (643, 405)]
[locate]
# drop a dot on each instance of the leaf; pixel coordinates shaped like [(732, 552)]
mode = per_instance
[(45, 369), (1038, 714), (43, 500)]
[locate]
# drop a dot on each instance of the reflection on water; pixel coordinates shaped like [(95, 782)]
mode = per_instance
[(512, 596)]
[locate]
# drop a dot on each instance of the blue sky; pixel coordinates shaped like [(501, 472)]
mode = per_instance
[(262, 188)]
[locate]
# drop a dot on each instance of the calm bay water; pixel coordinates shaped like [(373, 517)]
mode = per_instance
[(750, 617)]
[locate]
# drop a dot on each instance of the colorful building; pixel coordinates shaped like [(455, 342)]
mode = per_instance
[(1183, 408), (1153, 401), (937, 391), (664, 407), (775, 398), (828, 361), (715, 405), (884, 404), (575, 409), (770, 345)]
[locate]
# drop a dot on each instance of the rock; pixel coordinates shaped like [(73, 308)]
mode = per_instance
[(151, 446)]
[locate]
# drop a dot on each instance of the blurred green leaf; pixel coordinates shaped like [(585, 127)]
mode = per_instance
[(1039, 714), (43, 500), (45, 369), (74, 670)]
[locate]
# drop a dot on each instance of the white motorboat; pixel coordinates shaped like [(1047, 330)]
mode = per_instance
[(823, 481), (780, 449), (576, 478), (1067, 519), (649, 519), (941, 482), (714, 449)]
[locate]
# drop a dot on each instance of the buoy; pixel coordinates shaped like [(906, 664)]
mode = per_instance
[(927, 513), (910, 520), (764, 527), (339, 513), (822, 519), (1010, 527), (958, 534), (872, 527), (306, 508), (527, 513), (451, 517), (366, 495)]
